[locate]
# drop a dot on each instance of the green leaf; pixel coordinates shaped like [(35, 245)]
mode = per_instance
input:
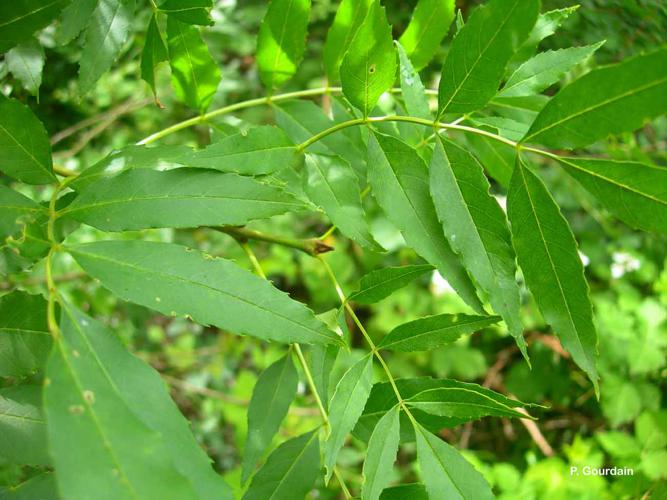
[(413, 491), (347, 405), (610, 100), (153, 53), (547, 253), (381, 455), (25, 62), (259, 150), (176, 280), (22, 426), (634, 192), (194, 73), (446, 474), (25, 151), (479, 53), (21, 18), (496, 157), (651, 430), (368, 68), (100, 397), (290, 471), (412, 89), (74, 19), (189, 11), (618, 444), (466, 401), (545, 69), (322, 359), (429, 24), (400, 183), (381, 283), (16, 211), (476, 228), (349, 17), (105, 36), (25, 340), (331, 183), (654, 464), (545, 26), (42, 487), (274, 392), (282, 40), (183, 197), (432, 332)]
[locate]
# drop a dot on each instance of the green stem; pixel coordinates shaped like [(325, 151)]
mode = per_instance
[(311, 246), (331, 130), (304, 365)]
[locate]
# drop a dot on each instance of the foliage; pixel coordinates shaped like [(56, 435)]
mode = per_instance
[(484, 194)]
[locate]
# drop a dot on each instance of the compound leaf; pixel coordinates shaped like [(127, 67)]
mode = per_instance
[(194, 74), (368, 68), (107, 32), (429, 24), (412, 88), (381, 283), (381, 455), (182, 197), (331, 183), (189, 11), (282, 40), (400, 183), (547, 253), (22, 426), (476, 61), (74, 19), (176, 280), (25, 62), (273, 393), (289, 472), (349, 16), (446, 474), (20, 19), (635, 192), (347, 405), (25, 151), (476, 228), (431, 332), (16, 211), (153, 53), (609, 100)]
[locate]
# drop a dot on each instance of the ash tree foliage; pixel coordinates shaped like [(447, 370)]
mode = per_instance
[(102, 420)]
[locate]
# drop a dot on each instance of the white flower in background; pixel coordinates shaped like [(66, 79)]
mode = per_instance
[(439, 285), (584, 258), (623, 263)]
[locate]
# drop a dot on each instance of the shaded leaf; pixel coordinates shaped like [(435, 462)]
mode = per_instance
[(194, 73), (446, 474), (347, 404), (496, 157), (412, 89), (381, 283), (25, 62), (259, 150), (290, 471), (141, 199), (16, 211), (547, 253), (331, 183), (368, 68), (635, 192), (106, 34), (25, 340), (609, 100), (273, 393), (25, 152), (22, 426), (282, 40), (413, 491), (545, 69), (136, 441), (428, 25), (350, 14), (189, 11), (431, 332), (153, 53), (476, 60), (476, 228), (400, 183), (74, 19), (21, 18), (381, 455), (42, 487), (175, 280)]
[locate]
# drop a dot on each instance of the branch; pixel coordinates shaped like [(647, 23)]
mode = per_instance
[(311, 246)]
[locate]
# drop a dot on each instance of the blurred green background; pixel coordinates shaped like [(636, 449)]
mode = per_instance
[(212, 373)]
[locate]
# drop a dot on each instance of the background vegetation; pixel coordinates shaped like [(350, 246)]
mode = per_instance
[(211, 374)]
